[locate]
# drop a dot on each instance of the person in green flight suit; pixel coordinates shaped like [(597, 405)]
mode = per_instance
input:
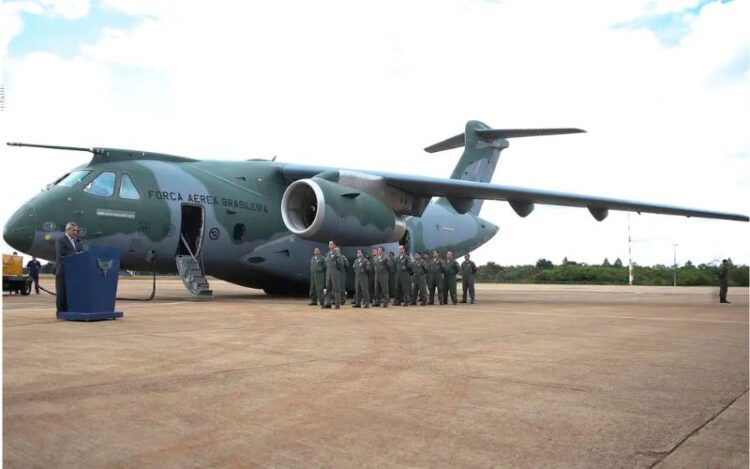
[(468, 271), (344, 273), (381, 279), (724, 280), (371, 274), (317, 278), (450, 270), (392, 276), (435, 278), (334, 266), (361, 268), (403, 278), (420, 267)]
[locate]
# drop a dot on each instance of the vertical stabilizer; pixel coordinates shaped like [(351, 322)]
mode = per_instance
[(482, 147), (477, 163)]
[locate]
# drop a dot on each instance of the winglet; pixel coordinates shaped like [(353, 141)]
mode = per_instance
[(494, 134)]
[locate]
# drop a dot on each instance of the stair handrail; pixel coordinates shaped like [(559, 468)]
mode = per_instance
[(184, 241)]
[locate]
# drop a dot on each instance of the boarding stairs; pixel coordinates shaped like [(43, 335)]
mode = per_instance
[(192, 274)]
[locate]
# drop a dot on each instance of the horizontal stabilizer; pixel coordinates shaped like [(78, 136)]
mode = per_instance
[(494, 134)]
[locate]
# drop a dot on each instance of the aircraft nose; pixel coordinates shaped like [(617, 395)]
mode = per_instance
[(19, 230)]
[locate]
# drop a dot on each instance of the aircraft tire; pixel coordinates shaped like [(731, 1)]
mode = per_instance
[(293, 290)]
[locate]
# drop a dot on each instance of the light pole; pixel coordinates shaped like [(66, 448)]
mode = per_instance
[(630, 257), (674, 277)]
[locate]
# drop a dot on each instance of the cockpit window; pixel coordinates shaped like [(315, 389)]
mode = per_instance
[(128, 189), (72, 179), (103, 185)]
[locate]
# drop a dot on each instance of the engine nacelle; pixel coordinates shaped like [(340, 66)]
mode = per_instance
[(321, 210)]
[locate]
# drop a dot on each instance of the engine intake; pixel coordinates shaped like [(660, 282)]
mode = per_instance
[(321, 210)]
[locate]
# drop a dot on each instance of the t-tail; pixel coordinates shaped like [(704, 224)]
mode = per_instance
[(482, 147)]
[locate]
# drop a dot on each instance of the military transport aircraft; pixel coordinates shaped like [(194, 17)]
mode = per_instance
[(256, 222)]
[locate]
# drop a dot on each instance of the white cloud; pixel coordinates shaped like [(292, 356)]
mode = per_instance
[(67, 9), (368, 86), (11, 24)]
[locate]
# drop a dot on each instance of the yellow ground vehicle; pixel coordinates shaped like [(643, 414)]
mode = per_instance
[(14, 281)]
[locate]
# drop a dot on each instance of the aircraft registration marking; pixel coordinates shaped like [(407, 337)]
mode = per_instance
[(103, 212)]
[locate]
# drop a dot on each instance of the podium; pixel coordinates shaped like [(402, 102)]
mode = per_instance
[(91, 284)]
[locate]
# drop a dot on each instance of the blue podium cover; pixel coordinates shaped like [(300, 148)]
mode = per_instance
[(91, 284)]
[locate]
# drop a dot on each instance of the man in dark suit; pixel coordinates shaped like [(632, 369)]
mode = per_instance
[(66, 245)]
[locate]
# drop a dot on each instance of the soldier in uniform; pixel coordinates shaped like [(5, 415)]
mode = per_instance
[(392, 276), (724, 280), (361, 268), (371, 274), (420, 267), (451, 269), (468, 270), (317, 278), (381, 279), (34, 266), (344, 274), (435, 278), (403, 278), (334, 266)]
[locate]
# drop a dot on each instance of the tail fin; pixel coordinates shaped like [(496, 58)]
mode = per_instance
[(482, 147)]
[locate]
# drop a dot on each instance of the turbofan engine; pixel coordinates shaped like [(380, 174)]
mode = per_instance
[(321, 210)]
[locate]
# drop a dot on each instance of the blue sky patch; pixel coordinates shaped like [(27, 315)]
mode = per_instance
[(669, 28), (62, 37)]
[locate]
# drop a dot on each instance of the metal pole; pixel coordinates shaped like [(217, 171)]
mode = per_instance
[(674, 247), (630, 257)]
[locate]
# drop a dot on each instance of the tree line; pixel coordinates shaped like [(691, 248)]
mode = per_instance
[(607, 273), (614, 273)]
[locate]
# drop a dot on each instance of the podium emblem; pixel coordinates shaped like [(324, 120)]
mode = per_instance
[(104, 266)]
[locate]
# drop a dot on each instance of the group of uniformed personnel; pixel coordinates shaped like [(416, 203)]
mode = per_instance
[(382, 278)]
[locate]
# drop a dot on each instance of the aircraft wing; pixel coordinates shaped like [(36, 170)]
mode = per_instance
[(461, 193)]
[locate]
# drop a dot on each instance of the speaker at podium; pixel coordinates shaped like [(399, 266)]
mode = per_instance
[(91, 284)]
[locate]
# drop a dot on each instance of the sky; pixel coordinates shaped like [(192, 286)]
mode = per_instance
[(661, 87)]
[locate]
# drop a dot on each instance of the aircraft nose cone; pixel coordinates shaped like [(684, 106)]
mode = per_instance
[(19, 230)]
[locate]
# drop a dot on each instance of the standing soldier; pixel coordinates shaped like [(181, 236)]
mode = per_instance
[(436, 277), (34, 266), (361, 268), (420, 269), (371, 275), (468, 270), (451, 269), (344, 274), (334, 265), (317, 278), (381, 279), (392, 277), (403, 277), (724, 280)]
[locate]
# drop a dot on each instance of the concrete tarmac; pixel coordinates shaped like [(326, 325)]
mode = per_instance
[(530, 376)]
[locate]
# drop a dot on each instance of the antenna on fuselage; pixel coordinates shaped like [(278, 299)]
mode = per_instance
[(51, 147)]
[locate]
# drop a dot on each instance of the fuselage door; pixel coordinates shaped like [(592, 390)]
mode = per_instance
[(191, 230)]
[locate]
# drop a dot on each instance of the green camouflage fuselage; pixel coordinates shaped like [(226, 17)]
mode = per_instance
[(244, 239)]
